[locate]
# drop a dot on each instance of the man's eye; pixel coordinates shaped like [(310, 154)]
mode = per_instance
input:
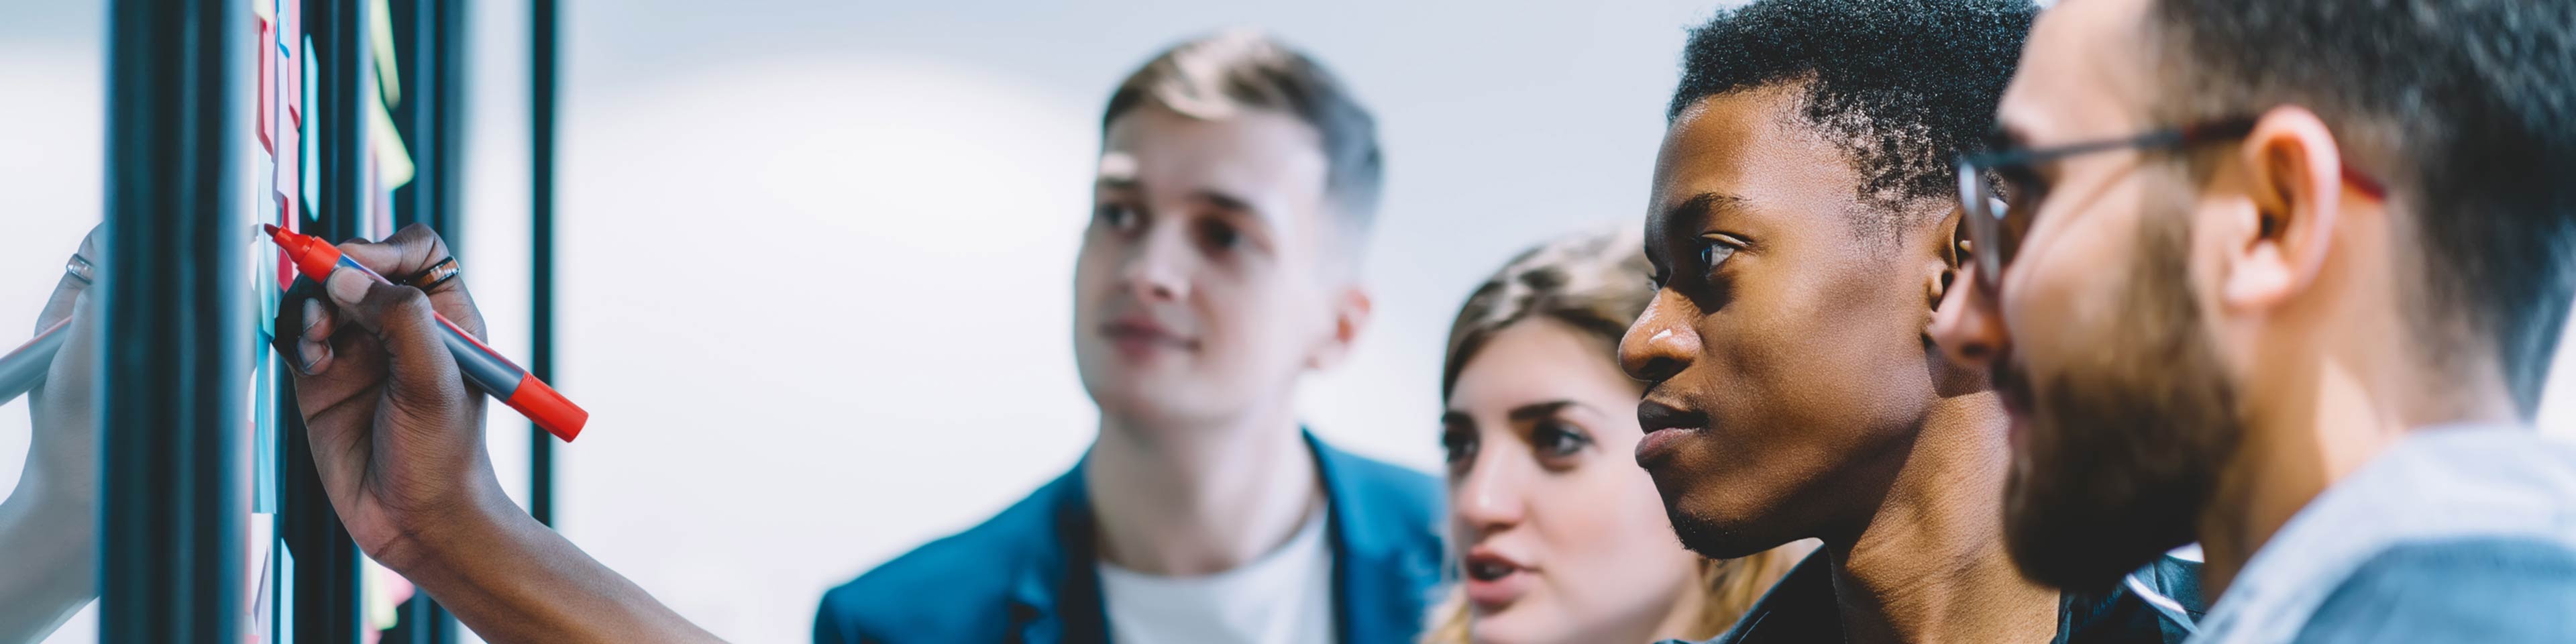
[(2022, 189), (1713, 252), (1555, 439), (1221, 236)]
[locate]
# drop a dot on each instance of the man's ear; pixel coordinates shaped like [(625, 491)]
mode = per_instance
[(1351, 312), (1943, 286), (2292, 171), (1949, 250)]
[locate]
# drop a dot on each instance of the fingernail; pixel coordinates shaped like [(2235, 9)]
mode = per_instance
[(304, 356), (348, 286), (312, 314)]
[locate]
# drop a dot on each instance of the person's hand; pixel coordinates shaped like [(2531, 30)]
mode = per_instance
[(398, 438), (397, 434), (49, 525), (62, 454)]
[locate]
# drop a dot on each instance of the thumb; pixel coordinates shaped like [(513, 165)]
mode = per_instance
[(423, 375)]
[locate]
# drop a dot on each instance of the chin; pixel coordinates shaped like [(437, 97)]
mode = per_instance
[(1517, 625), (1709, 522), (1712, 535), (1154, 401)]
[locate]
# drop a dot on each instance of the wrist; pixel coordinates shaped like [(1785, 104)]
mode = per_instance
[(457, 535), (55, 499)]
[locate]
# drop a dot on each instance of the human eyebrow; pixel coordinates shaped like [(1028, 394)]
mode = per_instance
[(1700, 208), (1539, 411)]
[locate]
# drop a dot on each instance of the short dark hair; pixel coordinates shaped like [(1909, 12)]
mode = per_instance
[(2465, 108), (1215, 75), (1902, 85)]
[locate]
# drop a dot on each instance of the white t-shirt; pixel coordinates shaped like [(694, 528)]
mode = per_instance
[(1286, 597)]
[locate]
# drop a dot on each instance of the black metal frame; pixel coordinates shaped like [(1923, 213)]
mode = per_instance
[(329, 568), (429, 36), (172, 515), (543, 64), (172, 505)]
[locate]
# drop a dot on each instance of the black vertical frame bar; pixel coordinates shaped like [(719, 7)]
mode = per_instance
[(543, 63), (428, 35), (329, 608), (428, 39), (176, 318)]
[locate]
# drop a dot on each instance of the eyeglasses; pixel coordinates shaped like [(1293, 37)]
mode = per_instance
[(2001, 193)]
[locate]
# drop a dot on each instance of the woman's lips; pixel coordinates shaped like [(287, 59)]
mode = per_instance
[(1494, 581)]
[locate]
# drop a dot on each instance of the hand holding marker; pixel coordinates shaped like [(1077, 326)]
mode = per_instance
[(24, 367), (482, 366)]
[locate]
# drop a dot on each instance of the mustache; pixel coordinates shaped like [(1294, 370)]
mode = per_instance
[(2011, 382)]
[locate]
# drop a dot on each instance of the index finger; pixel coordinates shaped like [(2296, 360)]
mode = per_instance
[(68, 288), (409, 251)]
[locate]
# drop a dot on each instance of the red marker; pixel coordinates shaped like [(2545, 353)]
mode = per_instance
[(483, 366)]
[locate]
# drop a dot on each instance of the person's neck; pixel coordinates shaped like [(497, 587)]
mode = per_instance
[(1678, 622), (1929, 564), (1188, 499), (2350, 397)]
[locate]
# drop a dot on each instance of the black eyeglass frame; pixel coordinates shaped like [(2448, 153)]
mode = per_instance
[(1985, 212)]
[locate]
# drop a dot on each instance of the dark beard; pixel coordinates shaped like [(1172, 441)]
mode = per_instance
[(1707, 538), (2125, 445)]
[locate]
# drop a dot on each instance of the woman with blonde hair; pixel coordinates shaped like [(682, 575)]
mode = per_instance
[(1559, 536)]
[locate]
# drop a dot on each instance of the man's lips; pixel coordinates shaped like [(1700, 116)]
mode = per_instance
[(2011, 384), (2012, 388), (1666, 426), (1143, 333)]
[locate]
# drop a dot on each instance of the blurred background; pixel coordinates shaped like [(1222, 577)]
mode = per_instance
[(897, 367)]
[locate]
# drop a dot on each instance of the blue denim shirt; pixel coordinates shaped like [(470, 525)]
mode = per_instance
[(1031, 573), (2458, 534)]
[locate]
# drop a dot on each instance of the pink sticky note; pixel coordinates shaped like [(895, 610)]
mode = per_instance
[(289, 45), (267, 89)]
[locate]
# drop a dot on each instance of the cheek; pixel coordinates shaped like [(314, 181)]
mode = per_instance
[(1257, 320), (1607, 534), (2054, 312)]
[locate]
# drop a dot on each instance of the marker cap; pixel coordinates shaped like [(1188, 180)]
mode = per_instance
[(548, 409)]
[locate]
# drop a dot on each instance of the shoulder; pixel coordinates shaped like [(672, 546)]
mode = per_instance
[(951, 589), (2470, 589), (1384, 506), (1394, 488)]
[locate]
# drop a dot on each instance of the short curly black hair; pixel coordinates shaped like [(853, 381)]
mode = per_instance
[(1902, 85)]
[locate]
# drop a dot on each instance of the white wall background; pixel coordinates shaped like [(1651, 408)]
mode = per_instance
[(896, 367)]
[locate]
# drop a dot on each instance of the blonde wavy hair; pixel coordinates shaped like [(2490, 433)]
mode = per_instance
[(1596, 283)]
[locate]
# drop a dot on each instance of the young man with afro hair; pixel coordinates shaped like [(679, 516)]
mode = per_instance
[(1802, 225)]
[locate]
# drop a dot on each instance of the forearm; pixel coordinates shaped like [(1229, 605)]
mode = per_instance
[(512, 579), (52, 560)]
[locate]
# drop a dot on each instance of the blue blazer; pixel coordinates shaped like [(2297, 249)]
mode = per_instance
[(1030, 574)]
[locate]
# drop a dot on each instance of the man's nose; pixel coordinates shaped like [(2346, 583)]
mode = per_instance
[(1157, 270), (1967, 326), (1660, 343)]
